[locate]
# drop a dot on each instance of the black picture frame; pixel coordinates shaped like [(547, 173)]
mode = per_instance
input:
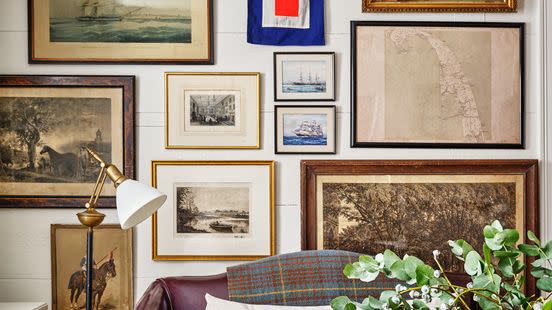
[(275, 73), (354, 102), (334, 144)]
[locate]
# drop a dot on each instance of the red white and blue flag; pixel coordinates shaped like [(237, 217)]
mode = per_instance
[(286, 22)]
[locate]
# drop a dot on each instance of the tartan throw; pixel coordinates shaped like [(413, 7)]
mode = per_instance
[(308, 278)]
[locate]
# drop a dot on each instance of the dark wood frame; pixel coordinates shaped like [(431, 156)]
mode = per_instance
[(356, 144), (333, 107), (380, 6), (208, 61), (303, 53), (126, 84), (311, 169)]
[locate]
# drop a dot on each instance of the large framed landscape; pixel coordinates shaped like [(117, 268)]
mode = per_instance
[(123, 31), (439, 5), (415, 207), (215, 210), (437, 84), (47, 122)]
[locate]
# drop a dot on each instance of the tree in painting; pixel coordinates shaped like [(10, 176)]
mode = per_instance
[(186, 211), (413, 218)]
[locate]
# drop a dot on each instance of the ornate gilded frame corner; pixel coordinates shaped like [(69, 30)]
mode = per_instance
[(465, 6), (271, 164)]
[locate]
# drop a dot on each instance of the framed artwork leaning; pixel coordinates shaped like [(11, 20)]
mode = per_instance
[(439, 5), (212, 110), (215, 210), (305, 129), (415, 207), (47, 122), (113, 267), (130, 31), (437, 84), (304, 76)]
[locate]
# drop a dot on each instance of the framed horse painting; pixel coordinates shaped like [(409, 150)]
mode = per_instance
[(112, 283), (46, 124)]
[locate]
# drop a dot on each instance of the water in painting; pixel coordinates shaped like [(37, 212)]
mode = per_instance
[(305, 129), (121, 21), (304, 77)]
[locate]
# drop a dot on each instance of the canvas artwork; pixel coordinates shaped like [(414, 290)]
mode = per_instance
[(112, 283), (212, 110), (438, 85), (439, 5), (212, 208)]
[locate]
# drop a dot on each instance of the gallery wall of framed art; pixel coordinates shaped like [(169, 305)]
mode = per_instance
[(25, 229)]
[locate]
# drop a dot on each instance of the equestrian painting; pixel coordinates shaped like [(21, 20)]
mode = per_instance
[(112, 268)]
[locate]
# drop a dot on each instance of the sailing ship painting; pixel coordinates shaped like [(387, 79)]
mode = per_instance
[(304, 77), (212, 209), (121, 21), (305, 129)]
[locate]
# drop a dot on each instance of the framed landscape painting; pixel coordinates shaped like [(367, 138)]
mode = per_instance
[(305, 76), (434, 84), (113, 267), (215, 210), (122, 31), (415, 207), (439, 5), (212, 110), (46, 124), (305, 130)]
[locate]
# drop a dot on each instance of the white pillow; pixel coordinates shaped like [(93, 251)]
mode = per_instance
[(214, 303)]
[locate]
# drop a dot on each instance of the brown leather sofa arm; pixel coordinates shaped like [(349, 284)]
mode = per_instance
[(155, 297)]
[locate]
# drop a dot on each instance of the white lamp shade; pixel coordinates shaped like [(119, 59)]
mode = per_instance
[(136, 202)]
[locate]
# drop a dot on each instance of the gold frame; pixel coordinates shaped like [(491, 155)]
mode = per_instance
[(54, 227), (272, 220), (382, 6), (184, 147)]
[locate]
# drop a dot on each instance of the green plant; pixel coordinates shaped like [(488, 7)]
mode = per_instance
[(497, 276)]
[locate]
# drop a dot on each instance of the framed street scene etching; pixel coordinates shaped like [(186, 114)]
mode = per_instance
[(212, 110), (415, 207), (122, 31), (215, 210), (435, 84), (304, 76), (112, 285), (439, 5), (305, 130), (47, 122)]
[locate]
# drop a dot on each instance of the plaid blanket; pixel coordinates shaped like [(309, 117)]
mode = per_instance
[(308, 278)]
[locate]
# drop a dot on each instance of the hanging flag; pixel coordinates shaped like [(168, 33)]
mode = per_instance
[(286, 22)]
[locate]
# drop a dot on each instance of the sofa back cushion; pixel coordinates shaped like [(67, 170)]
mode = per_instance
[(308, 278)]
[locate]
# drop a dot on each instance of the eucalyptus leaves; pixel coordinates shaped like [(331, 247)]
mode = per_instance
[(497, 277)]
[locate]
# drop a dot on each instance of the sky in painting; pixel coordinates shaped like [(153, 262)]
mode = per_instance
[(72, 8), (211, 198), (292, 70)]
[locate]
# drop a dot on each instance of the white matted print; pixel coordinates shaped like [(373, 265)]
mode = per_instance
[(305, 130), (214, 210), (212, 110), (304, 76)]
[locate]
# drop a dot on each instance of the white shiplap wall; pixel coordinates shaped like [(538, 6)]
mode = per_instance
[(24, 234)]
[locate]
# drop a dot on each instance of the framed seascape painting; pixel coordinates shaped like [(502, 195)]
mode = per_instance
[(434, 84), (112, 285), (304, 76), (46, 124), (415, 207), (439, 5), (122, 31), (215, 210), (212, 110), (305, 130)]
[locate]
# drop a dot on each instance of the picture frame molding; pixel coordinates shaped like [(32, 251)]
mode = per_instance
[(155, 220), (275, 72), (382, 6), (127, 85), (436, 145)]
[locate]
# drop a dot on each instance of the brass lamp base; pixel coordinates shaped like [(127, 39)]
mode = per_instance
[(91, 218)]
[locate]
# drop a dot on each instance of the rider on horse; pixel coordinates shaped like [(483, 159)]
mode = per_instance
[(83, 265)]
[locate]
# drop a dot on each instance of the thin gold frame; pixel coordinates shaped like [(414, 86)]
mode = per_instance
[(195, 147), (272, 220), (382, 6)]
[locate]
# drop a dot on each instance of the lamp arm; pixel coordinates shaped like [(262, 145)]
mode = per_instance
[(97, 187)]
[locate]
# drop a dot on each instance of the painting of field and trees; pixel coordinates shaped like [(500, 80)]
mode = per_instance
[(44, 140), (413, 218)]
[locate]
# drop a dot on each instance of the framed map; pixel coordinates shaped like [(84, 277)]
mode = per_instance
[(439, 5), (434, 84)]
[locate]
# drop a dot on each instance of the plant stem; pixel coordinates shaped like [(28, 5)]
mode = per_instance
[(449, 283)]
